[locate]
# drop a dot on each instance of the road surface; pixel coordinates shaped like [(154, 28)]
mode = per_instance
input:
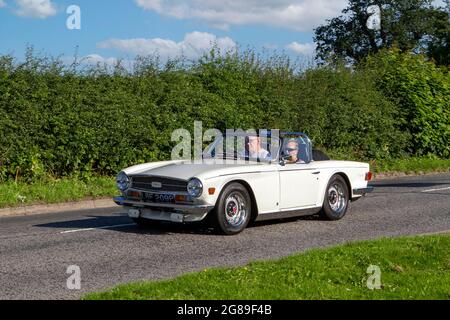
[(35, 251)]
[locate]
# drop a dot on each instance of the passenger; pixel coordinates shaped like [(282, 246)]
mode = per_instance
[(293, 150), (254, 149)]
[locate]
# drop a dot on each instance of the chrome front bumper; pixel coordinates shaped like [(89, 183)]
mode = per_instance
[(164, 211)]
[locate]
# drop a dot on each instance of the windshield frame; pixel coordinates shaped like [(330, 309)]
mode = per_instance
[(288, 135)]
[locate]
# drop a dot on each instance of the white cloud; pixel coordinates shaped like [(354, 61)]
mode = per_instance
[(193, 45), (95, 58), (306, 49), (2, 4), (300, 15), (35, 8)]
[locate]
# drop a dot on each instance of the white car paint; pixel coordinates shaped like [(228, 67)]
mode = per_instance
[(276, 188)]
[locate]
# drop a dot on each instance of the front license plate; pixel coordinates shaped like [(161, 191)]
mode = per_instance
[(159, 198)]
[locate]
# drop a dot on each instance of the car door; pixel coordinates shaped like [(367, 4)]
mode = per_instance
[(299, 183)]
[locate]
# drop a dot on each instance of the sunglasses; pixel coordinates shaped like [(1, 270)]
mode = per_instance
[(292, 149)]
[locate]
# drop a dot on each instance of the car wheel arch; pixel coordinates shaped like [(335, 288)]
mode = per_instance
[(347, 182), (249, 189)]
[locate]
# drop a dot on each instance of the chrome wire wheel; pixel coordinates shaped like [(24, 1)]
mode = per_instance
[(235, 210), (336, 198)]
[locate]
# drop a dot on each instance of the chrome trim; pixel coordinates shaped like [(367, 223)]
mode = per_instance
[(147, 186), (288, 214), (151, 189), (172, 207), (151, 214), (143, 175), (176, 193), (201, 188)]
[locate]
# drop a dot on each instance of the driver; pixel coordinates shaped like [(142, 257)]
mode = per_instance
[(254, 149), (293, 150)]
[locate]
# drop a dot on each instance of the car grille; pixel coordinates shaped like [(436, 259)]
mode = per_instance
[(167, 184)]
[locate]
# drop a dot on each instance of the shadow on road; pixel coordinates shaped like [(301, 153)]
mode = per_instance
[(118, 223), (124, 224), (409, 184)]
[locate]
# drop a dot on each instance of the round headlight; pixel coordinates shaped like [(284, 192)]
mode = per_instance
[(123, 181), (195, 187)]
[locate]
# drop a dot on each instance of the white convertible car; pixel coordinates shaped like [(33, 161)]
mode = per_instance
[(254, 182)]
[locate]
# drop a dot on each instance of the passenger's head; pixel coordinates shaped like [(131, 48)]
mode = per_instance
[(292, 150)]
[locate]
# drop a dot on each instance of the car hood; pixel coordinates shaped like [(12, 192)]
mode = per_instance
[(186, 170)]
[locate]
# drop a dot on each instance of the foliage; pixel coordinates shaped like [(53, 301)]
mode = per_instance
[(410, 25), (422, 92), (74, 121)]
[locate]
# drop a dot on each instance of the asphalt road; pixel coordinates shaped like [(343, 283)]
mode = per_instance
[(35, 251)]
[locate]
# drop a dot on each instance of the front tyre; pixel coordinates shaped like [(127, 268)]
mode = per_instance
[(233, 210), (336, 199)]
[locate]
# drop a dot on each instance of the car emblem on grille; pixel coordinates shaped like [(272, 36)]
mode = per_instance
[(157, 185)]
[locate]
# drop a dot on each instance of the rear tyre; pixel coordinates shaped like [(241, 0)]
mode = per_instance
[(145, 223), (335, 203), (233, 210)]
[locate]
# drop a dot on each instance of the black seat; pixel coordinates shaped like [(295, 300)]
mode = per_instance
[(303, 152)]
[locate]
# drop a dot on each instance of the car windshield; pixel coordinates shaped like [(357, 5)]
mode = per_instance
[(251, 147)]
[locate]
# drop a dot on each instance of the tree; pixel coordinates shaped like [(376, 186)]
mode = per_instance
[(409, 25), (438, 45)]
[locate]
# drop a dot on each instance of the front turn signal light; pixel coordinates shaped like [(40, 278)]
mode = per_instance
[(180, 198), (211, 191), (134, 194)]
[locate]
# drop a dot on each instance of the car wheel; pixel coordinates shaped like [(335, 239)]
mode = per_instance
[(233, 210), (146, 223), (336, 199)]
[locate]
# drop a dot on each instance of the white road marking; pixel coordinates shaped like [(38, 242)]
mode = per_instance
[(440, 189), (105, 227)]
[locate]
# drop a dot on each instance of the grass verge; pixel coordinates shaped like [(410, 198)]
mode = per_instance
[(411, 166), (411, 268), (14, 194)]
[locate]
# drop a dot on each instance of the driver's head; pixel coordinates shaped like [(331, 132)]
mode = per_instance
[(254, 144), (292, 149)]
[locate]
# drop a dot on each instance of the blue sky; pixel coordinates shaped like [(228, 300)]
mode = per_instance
[(124, 28)]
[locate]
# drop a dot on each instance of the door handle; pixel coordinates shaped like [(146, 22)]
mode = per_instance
[(316, 172)]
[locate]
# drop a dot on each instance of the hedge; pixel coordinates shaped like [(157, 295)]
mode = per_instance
[(58, 120)]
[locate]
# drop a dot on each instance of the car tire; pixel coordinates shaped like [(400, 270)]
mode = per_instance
[(145, 223), (335, 203), (233, 210)]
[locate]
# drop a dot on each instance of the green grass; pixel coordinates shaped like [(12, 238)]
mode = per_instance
[(411, 268), (411, 165), (53, 191)]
